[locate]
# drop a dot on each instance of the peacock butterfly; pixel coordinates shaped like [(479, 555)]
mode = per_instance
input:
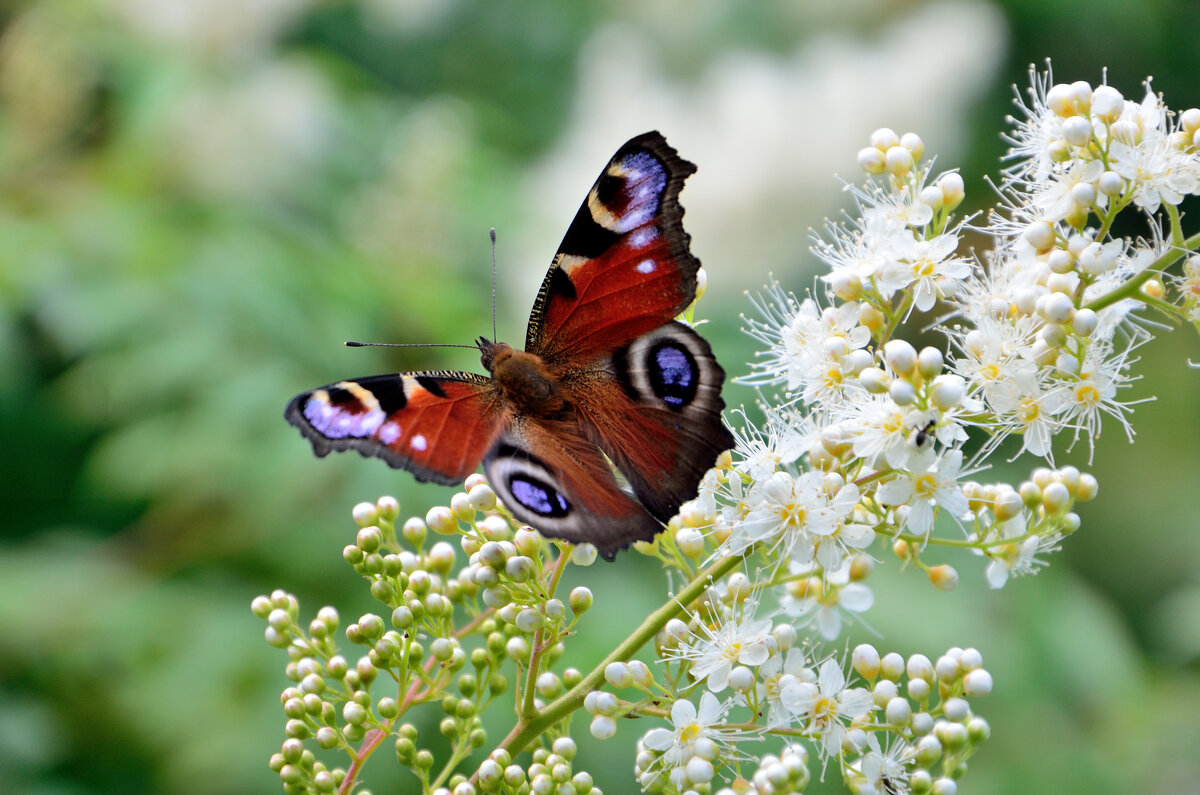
[(607, 378)]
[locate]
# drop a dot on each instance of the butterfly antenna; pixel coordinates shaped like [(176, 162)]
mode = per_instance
[(492, 234), (353, 344)]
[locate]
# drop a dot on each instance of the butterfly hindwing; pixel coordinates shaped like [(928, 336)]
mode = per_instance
[(623, 268), (436, 424), (550, 476), (663, 390)]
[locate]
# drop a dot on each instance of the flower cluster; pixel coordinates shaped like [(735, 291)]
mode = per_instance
[(864, 449)]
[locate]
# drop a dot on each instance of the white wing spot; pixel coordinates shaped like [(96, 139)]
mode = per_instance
[(389, 432), (640, 238), (646, 266), (418, 442)]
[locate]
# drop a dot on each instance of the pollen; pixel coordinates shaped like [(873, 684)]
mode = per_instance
[(1087, 394)]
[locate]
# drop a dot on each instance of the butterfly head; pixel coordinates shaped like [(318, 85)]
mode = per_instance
[(489, 350)]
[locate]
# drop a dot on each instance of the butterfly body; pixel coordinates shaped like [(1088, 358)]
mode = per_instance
[(607, 379), (525, 381)]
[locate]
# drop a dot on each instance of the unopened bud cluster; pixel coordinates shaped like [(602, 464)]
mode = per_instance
[(448, 634)]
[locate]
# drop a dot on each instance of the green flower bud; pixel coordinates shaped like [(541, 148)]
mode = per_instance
[(402, 618), (261, 606), (414, 531), (580, 599), (381, 591), (369, 539), (296, 728)]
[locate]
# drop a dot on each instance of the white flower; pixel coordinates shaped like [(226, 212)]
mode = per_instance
[(927, 266), (1030, 409), (791, 513), (824, 708), (823, 602), (886, 772), (694, 734), (773, 675), (1013, 560), (1144, 153), (925, 482), (783, 438), (731, 642), (1055, 199), (1094, 393), (880, 429)]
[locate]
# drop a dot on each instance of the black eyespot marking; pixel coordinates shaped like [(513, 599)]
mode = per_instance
[(607, 188), (561, 284), (431, 385), (585, 237), (673, 374), (538, 496), (390, 394), (340, 397)]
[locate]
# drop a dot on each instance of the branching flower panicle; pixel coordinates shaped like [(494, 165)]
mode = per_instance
[(868, 450)]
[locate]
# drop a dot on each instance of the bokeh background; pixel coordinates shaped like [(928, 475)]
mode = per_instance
[(201, 199)]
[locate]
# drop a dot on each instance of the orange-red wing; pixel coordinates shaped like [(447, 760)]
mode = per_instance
[(624, 268), (436, 424), (550, 476)]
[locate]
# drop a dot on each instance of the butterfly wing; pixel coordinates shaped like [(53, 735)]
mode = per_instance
[(436, 424), (624, 268), (646, 391), (655, 411), (552, 477)]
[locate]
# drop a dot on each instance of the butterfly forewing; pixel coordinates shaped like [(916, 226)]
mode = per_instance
[(623, 268), (436, 424)]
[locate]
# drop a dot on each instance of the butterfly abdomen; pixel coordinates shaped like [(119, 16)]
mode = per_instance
[(527, 383)]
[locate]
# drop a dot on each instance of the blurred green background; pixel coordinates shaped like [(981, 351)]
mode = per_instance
[(201, 199)]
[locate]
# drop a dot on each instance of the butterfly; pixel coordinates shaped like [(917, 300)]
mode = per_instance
[(608, 379)]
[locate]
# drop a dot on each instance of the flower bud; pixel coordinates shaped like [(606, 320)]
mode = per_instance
[(901, 356), (891, 666), (865, 660), (884, 138), (977, 683), (871, 160), (953, 189), (1111, 183), (1077, 130), (913, 143), (899, 160), (874, 380), (930, 361), (944, 577), (1040, 235), (902, 392), (440, 520), (1107, 104), (947, 391), (365, 513)]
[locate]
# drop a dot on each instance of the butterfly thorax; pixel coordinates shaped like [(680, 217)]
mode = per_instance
[(524, 379)]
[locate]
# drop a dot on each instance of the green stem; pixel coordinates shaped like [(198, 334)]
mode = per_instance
[(1130, 288), (529, 729), (527, 707)]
